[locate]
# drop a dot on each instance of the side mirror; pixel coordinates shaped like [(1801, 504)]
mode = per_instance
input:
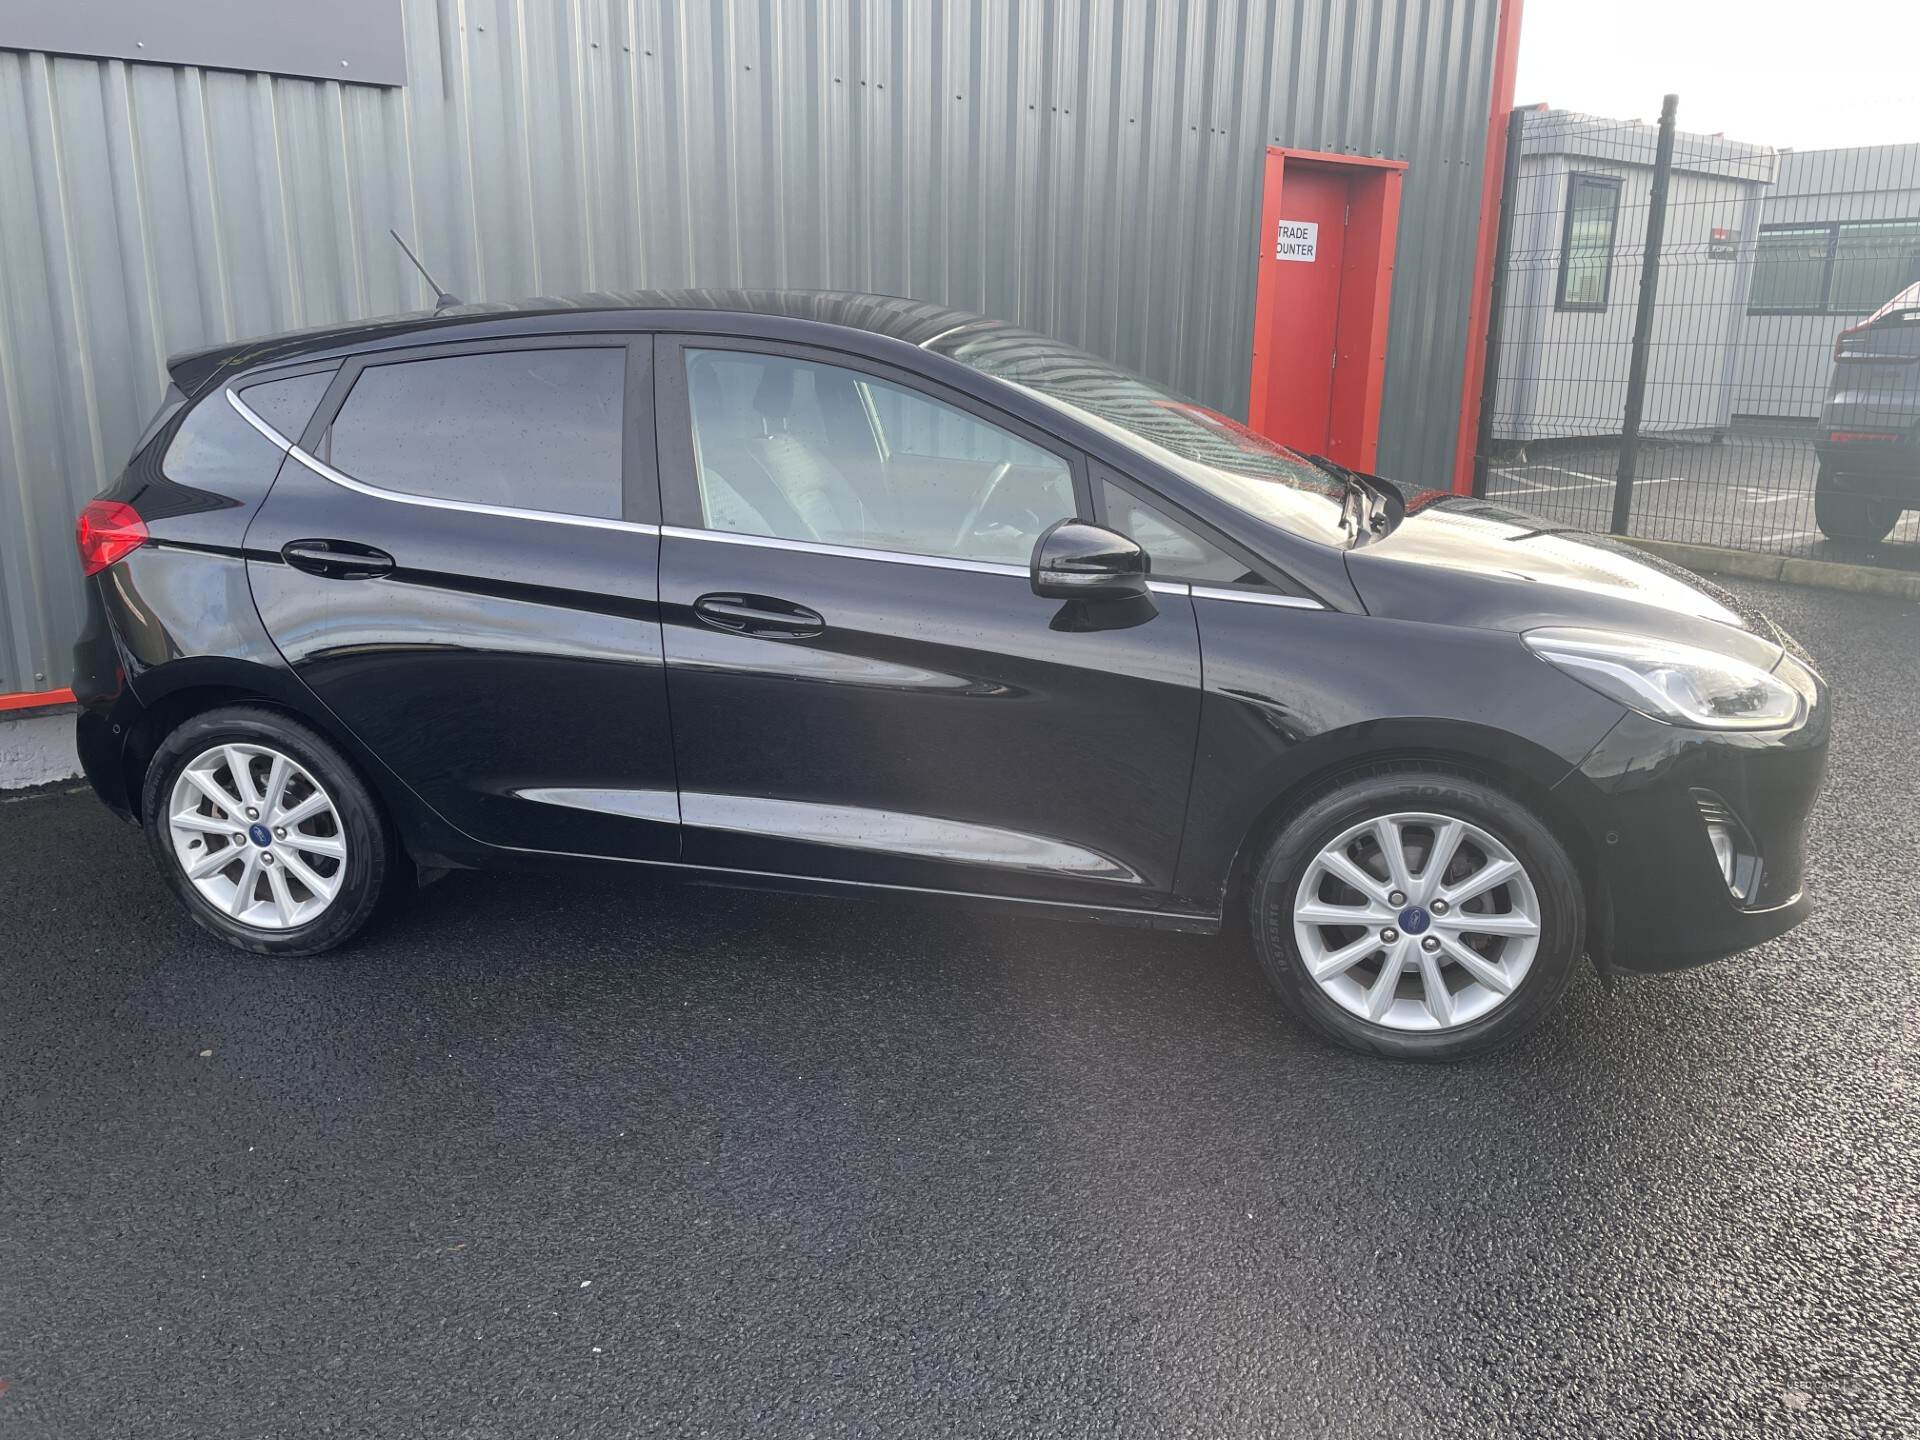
[(1077, 561)]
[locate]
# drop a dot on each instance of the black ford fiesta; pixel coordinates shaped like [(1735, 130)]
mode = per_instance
[(839, 591)]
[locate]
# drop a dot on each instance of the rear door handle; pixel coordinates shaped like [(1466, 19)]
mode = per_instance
[(336, 559), (759, 615)]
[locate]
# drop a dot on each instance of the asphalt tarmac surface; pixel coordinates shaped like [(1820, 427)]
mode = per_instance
[(1752, 491), (599, 1155)]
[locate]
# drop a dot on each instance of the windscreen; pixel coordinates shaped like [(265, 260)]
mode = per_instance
[(1215, 451)]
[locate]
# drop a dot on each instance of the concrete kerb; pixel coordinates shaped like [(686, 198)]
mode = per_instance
[(1819, 574)]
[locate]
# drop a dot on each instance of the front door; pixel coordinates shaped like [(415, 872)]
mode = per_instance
[(863, 684), (464, 572)]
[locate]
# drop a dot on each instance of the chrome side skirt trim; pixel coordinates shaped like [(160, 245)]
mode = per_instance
[(660, 806), (428, 502), (1249, 597), (892, 832), (1178, 920)]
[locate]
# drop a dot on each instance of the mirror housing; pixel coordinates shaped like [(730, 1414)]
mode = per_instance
[(1074, 560)]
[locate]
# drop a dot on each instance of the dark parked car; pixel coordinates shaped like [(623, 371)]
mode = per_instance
[(1870, 425), (848, 592)]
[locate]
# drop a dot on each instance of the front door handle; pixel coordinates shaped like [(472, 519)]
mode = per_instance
[(336, 559), (759, 615)]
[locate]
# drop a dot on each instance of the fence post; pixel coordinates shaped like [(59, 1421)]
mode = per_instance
[(1497, 304), (1643, 319)]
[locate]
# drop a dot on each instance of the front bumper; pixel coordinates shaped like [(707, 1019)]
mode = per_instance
[(1662, 901)]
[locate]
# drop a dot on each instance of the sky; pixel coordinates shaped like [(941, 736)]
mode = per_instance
[(1799, 74)]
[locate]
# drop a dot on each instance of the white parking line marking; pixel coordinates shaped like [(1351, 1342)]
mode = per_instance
[(1586, 483), (1533, 485)]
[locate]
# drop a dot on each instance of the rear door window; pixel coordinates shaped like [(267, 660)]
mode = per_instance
[(536, 429)]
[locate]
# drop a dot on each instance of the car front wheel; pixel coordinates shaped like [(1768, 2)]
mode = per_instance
[(1417, 914), (265, 832)]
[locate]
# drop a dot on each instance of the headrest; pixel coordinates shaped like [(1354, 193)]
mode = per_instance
[(773, 397), (709, 400)]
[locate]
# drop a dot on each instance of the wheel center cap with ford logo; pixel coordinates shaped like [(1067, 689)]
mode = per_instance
[(1414, 920), (260, 835)]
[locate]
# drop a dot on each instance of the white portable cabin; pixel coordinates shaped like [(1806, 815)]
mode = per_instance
[(1579, 219)]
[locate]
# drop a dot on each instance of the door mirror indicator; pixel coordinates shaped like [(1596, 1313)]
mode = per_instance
[(1076, 561)]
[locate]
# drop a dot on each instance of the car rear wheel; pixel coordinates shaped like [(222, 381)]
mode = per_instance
[(1417, 914), (1845, 513), (265, 832)]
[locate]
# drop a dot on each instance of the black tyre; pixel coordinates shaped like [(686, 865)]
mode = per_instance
[(265, 832), (1845, 513), (1397, 957)]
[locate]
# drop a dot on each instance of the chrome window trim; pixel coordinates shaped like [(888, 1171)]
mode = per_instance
[(1248, 597), (430, 502), (246, 414), (889, 557), (848, 552), (724, 537)]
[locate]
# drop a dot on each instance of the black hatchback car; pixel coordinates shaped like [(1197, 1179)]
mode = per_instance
[(839, 591)]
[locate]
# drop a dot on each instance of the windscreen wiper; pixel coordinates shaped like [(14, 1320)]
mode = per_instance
[(1373, 504)]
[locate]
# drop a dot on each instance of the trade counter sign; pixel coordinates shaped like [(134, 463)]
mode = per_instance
[(1297, 240)]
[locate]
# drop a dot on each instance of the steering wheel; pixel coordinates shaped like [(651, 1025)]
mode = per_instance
[(984, 499)]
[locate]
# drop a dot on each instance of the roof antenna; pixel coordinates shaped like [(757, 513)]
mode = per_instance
[(441, 298)]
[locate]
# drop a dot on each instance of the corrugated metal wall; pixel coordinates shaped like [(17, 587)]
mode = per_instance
[(1785, 361), (1088, 168)]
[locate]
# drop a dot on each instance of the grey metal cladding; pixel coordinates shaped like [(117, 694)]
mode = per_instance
[(1086, 168), (353, 40)]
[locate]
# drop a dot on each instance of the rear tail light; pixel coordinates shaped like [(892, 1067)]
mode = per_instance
[(1846, 346), (107, 530), (1862, 437)]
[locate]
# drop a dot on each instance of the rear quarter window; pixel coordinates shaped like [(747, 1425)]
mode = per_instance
[(287, 405), (213, 451)]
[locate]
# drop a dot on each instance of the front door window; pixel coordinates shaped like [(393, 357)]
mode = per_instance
[(800, 450)]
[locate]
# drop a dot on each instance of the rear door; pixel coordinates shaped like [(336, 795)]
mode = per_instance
[(864, 685), (461, 561)]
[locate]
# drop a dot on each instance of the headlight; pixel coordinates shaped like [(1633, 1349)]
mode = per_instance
[(1677, 683)]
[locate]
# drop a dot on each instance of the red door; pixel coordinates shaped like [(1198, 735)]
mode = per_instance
[(1327, 230), (1307, 243)]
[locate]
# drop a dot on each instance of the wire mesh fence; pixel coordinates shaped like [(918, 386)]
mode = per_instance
[(1703, 340)]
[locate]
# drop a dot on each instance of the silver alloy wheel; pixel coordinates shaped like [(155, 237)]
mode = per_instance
[(1417, 921), (257, 836)]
